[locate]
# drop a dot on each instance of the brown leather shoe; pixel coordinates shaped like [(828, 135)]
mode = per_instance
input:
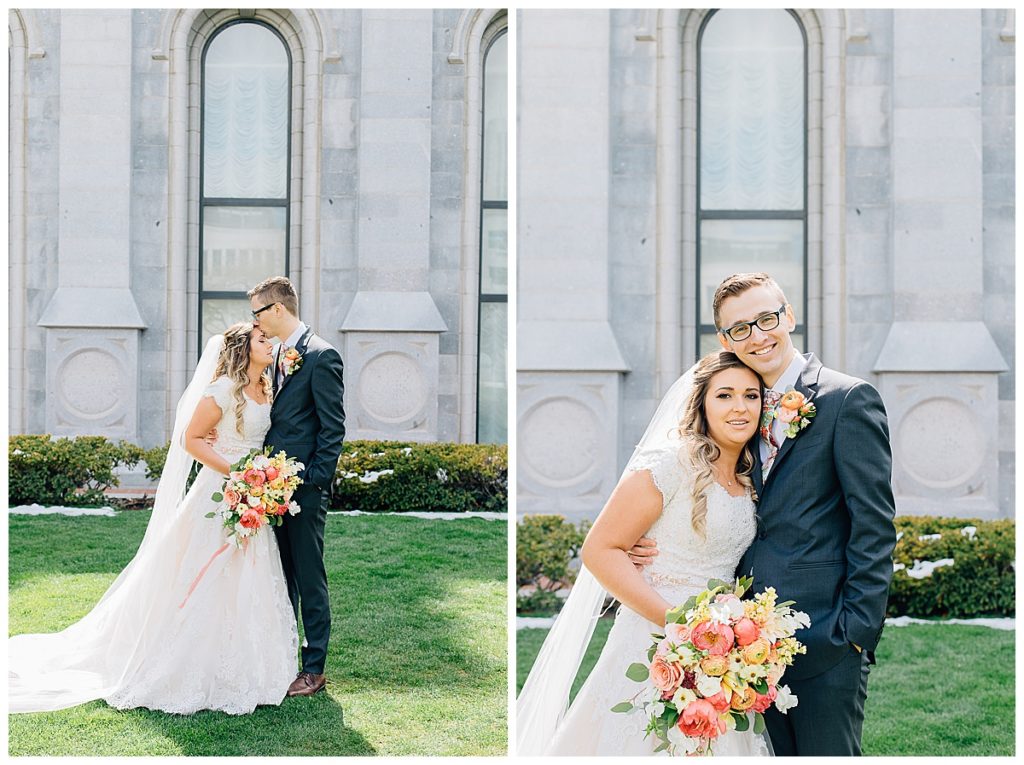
[(306, 684)]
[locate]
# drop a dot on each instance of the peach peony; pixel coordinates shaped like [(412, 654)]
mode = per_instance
[(720, 701), (251, 519), (665, 676), (764, 700), (271, 472), (713, 637), (253, 477), (700, 720), (746, 631)]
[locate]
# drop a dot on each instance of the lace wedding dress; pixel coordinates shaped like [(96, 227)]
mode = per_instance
[(683, 567), (229, 645)]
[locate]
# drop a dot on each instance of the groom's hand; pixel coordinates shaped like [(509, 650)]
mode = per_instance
[(642, 553)]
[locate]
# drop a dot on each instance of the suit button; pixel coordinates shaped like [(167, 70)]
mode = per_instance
[(762, 535)]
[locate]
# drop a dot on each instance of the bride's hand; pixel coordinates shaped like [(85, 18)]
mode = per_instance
[(643, 552)]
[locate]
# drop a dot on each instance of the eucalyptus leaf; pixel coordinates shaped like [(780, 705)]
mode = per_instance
[(758, 723), (661, 747), (637, 672), (625, 706), (210, 515), (217, 497)]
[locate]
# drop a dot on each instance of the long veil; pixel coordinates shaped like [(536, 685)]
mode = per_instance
[(89, 659), (545, 696)]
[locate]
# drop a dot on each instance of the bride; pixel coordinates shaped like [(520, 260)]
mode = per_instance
[(688, 486), (158, 638)]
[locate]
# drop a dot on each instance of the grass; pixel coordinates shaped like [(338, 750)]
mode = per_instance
[(937, 690), (417, 657)]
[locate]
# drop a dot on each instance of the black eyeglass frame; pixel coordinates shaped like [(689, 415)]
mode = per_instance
[(756, 322), (258, 311)]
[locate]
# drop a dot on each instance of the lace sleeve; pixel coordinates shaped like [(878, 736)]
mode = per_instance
[(220, 391), (666, 468)]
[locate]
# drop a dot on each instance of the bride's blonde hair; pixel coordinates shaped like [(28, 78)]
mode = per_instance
[(233, 363), (701, 449)]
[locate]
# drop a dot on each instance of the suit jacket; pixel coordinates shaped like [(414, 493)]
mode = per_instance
[(307, 419), (825, 519)]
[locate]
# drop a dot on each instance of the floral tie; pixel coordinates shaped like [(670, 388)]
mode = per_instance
[(771, 401)]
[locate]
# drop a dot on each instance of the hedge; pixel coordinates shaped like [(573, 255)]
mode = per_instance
[(373, 476), (545, 548), (397, 476), (65, 471), (980, 581)]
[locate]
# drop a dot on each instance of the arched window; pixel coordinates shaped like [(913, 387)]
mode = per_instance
[(244, 169), (492, 374), (752, 157)]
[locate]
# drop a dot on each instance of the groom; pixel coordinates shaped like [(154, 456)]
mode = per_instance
[(825, 518), (308, 422)]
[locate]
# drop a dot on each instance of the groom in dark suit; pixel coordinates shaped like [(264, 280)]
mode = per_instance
[(308, 422), (825, 517)]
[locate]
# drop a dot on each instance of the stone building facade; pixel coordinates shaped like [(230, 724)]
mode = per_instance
[(381, 139), (904, 267)]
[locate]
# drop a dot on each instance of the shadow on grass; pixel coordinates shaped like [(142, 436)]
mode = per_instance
[(431, 593)]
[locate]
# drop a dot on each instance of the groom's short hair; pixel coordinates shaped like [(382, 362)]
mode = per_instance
[(277, 289), (737, 284)]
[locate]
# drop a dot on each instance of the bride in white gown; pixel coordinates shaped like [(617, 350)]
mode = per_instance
[(154, 640), (687, 486)]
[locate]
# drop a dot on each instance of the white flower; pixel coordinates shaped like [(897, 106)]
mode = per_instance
[(785, 699), (682, 698), (260, 461), (657, 708), (253, 501), (293, 508), (719, 612), (969, 531), (682, 743), (736, 662), (752, 672), (708, 686)]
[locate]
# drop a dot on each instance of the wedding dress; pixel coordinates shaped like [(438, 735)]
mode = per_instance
[(682, 568), (158, 638)]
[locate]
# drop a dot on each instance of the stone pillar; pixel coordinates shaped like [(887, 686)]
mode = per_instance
[(391, 331), (569, 363), (92, 322), (939, 365)]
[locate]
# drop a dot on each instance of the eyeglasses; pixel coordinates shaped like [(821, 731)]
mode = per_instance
[(765, 322), (258, 311)]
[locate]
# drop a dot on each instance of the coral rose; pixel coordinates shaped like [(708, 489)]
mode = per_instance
[(720, 701), (232, 497), (271, 472), (756, 652), (764, 700), (746, 631), (716, 666), (251, 519), (713, 637), (700, 720), (665, 676)]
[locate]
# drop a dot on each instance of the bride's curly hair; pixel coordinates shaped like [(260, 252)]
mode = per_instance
[(702, 450), (233, 363)]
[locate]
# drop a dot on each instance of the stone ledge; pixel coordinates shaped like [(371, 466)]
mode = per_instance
[(939, 346)]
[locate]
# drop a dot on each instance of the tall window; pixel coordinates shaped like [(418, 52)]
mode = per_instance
[(245, 157), (492, 386), (752, 158)]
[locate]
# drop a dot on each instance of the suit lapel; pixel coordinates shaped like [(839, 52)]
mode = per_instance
[(301, 348), (807, 384)]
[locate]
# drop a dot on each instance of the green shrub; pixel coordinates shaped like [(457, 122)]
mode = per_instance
[(66, 471), (395, 476), (979, 583), (545, 546), (155, 459)]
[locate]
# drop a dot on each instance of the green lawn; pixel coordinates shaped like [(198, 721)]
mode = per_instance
[(417, 655), (937, 690)]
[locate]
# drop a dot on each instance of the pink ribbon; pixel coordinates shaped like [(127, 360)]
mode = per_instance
[(202, 572)]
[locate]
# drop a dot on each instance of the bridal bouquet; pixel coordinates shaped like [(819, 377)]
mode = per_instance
[(717, 667), (258, 492)]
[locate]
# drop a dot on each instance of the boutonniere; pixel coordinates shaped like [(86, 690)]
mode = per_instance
[(795, 411), (291, 361)]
